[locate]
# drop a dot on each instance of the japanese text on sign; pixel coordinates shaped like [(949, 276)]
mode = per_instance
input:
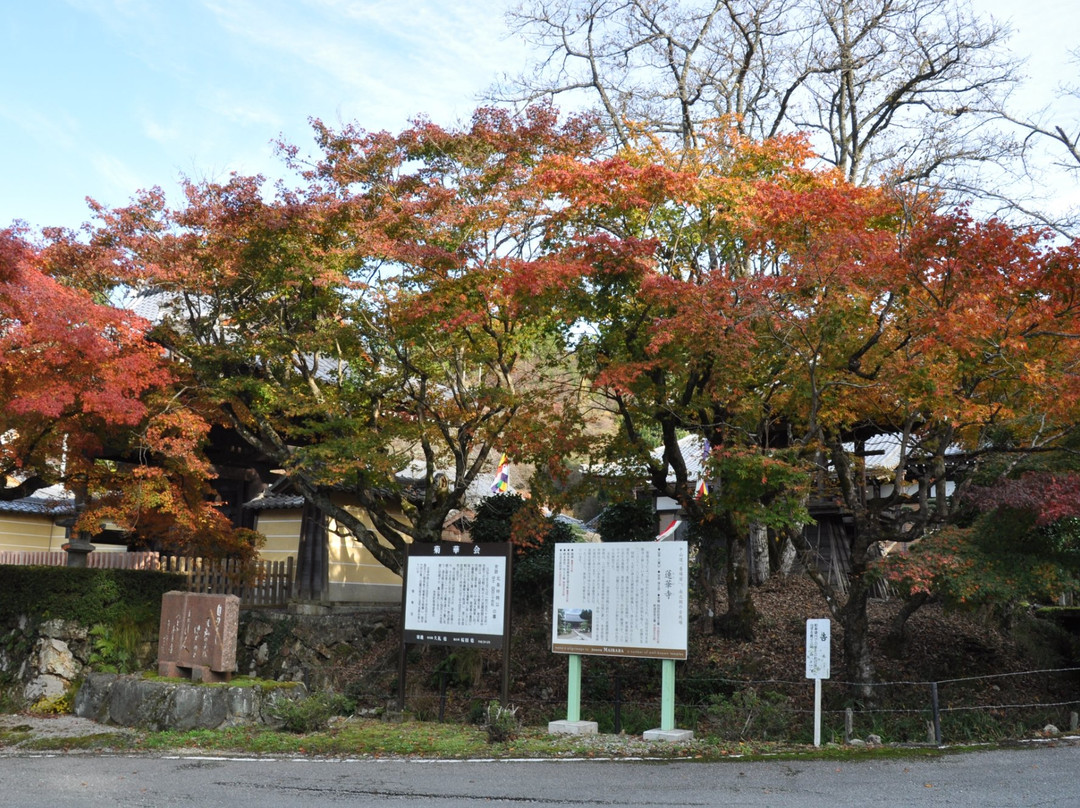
[(456, 595), (621, 599), (817, 649)]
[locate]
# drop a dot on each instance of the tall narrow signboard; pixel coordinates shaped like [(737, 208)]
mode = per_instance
[(818, 652)]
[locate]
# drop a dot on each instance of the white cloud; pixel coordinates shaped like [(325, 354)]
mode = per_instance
[(59, 130), (119, 176), (159, 132), (381, 62)]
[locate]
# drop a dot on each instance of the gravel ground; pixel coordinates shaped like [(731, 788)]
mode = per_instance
[(21, 727)]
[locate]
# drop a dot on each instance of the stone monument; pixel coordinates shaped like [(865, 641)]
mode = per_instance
[(197, 639)]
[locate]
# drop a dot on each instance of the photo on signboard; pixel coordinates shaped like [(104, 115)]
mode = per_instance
[(575, 624)]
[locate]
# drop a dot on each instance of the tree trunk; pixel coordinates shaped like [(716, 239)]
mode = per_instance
[(858, 664), (711, 565), (741, 615), (897, 639), (782, 556), (759, 554)]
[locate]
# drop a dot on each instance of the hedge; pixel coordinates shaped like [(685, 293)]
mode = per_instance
[(89, 596)]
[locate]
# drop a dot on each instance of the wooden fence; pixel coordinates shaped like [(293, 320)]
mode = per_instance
[(256, 583), (58, 558)]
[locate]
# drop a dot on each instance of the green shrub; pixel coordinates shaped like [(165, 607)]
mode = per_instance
[(53, 705), (87, 595), (493, 517), (629, 520), (312, 713), (463, 667), (114, 647), (747, 714), (501, 722)]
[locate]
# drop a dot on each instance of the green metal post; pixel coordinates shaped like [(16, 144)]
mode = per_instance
[(667, 696), (573, 689)]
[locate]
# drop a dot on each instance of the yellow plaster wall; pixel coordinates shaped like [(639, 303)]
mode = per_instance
[(29, 533), (353, 573), (282, 532)]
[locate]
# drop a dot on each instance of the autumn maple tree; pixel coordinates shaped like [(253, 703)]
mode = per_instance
[(412, 307), (1019, 542), (784, 315), (378, 332), (673, 306), (89, 403)]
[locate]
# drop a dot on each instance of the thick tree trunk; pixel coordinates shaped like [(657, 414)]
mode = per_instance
[(858, 664), (711, 565), (855, 619), (738, 622), (782, 556)]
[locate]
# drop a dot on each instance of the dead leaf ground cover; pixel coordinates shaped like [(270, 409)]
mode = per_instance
[(989, 677)]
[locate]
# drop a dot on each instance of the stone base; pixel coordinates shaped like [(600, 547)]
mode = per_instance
[(573, 728), (131, 701), (196, 673), (669, 735)]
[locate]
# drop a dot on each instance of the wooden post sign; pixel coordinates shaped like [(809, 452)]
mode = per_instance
[(456, 594), (818, 642)]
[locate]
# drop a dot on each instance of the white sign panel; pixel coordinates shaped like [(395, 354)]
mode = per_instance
[(621, 599), (818, 639), (455, 594)]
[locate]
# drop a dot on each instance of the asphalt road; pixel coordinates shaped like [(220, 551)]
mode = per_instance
[(1028, 777)]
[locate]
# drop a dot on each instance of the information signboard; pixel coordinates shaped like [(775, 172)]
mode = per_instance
[(456, 594), (621, 599), (817, 649)]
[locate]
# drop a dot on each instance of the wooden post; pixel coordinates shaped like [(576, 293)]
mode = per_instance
[(936, 712)]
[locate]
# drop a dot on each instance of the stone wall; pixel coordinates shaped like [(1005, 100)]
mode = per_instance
[(41, 660), (132, 701), (318, 648)]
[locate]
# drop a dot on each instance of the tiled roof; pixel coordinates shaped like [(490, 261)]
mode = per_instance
[(883, 452), (275, 502), (51, 501)]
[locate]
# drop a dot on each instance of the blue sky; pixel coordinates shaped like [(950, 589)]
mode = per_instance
[(103, 97)]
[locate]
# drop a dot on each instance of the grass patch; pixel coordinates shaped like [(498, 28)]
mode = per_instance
[(343, 738), (9, 736), (236, 681), (374, 738), (113, 741)]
